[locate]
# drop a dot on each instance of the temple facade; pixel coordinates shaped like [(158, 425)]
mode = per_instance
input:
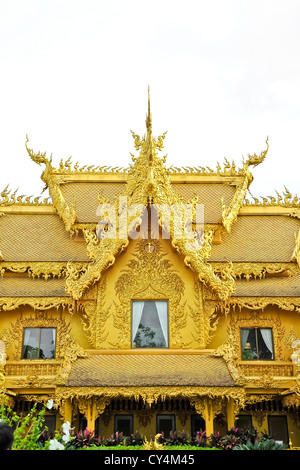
[(152, 298)]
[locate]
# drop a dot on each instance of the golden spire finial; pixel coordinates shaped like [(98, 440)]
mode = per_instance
[(149, 119)]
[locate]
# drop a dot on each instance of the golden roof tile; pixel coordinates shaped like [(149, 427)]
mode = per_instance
[(37, 237), (272, 286), (150, 370), (258, 239), (22, 286)]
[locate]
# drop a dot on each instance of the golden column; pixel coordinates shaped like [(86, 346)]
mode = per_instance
[(230, 413), (91, 414), (68, 410), (209, 417)]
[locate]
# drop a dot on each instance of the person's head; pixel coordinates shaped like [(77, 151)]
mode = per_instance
[(6, 436)]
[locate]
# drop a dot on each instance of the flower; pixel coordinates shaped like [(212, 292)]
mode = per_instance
[(66, 431), (55, 445), (49, 404), (66, 438), (66, 427)]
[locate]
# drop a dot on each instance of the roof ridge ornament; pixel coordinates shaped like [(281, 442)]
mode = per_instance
[(230, 214), (148, 185), (52, 182)]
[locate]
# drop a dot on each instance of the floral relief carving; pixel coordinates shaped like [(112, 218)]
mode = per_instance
[(149, 275), (67, 349)]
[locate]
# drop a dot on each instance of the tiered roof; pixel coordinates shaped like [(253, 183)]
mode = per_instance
[(62, 231)]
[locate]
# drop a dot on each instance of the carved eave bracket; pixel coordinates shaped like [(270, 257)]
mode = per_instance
[(150, 395), (52, 182), (229, 214), (228, 352)]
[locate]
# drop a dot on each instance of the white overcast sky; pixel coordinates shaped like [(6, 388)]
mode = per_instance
[(223, 76)]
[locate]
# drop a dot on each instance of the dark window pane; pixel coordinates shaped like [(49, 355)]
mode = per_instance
[(165, 424), (150, 324), (123, 424), (50, 423), (198, 424), (278, 428), (82, 422), (244, 421)]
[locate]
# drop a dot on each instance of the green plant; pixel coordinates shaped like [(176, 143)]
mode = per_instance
[(135, 439), (83, 439), (268, 444), (247, 354), (115, 439), (27, 429), (177, 438), (200, 439)]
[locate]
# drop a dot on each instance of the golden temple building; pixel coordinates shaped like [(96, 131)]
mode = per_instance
[(128, 322)]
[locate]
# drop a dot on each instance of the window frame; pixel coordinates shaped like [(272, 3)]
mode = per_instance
[(39, 348), (256, 342), (124, 416), (283, 418), (50, 417), (240, 416), (193, 426), (168, 323), (160, 416)]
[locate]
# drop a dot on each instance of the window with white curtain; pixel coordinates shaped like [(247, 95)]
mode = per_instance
[(257, 344), (150, 324), (39, 343)]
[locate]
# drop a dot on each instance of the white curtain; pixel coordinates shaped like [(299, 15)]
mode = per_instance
[(27, 336), (244, 336), (54, 336), (162, 310), (137, 311), (267, 337), (30, 339)]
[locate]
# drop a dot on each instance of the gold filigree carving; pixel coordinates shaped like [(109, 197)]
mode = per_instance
[(229, 169), (145, 415), (230, 355), (204, 316), (148, 183), (95, 317), (257, 320), (257, 270), (102, 253), (149, 276), (267, 381), (9, 199), (260, 303), (100, 405), (199, 404), (296, 252), (151, 395), (45, 270), (291, 338), (284, 200), (229, 214), (66, 213), (37, 303), (65, 168), (66, 347)]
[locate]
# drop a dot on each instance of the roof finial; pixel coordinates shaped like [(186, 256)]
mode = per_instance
[(148, 100), (149, 118)]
